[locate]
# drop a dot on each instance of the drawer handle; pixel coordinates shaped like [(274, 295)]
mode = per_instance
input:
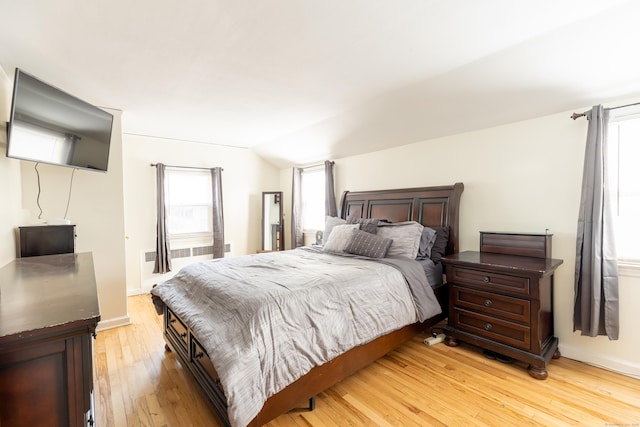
[(486, 279), (198, 355), (183, 335), (487, 303), (172, 321), (488, 326)]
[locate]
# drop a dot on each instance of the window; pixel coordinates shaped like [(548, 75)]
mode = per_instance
[(189, 202), (624, 157), (313, 192)]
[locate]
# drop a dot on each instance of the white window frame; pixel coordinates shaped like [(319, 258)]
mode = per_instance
[(173, 176), (628, 266)]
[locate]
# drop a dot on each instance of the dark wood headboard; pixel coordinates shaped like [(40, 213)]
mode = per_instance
[(430, 206)]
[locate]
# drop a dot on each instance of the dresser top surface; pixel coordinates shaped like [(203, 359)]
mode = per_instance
[(47, 291), (527, 264)]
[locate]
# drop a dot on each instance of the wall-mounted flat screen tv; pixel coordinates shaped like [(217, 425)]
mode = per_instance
[(50, 126)]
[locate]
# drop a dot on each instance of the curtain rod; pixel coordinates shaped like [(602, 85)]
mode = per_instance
[(315, 165), (576, 115), (153, 165)]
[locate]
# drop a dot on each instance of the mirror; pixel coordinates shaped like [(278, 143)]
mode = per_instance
[(272, 221)]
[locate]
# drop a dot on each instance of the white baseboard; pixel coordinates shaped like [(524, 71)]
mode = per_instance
[(103, 325), (135, 291), (623, 367)]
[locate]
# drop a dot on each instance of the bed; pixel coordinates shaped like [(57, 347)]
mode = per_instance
[(188, 309)]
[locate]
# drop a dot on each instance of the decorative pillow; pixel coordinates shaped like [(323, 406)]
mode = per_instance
[(370, 225), (439, 248), (405, 235), (329, 223), (426, 243), (367, 244), (339, 237)]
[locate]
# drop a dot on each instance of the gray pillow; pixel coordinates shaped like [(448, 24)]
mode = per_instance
[(329, 223), (370, 225), (367, 244), (439, 248), (405, 235), (426, 243), (339, 237)]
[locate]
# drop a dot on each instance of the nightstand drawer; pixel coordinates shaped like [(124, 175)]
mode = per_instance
[(492, 328), (500, 306), (490, 281)]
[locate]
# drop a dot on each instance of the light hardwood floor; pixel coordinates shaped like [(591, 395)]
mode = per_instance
[(137, 383)]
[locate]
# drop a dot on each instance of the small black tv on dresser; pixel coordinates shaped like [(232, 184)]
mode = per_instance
[(37, 240)]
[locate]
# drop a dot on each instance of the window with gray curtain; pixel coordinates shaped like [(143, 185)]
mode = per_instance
[(183, 209), (596, 273), (163, 252), (300, 200)]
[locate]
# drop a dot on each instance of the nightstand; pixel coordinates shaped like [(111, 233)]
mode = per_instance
[(501, 298)]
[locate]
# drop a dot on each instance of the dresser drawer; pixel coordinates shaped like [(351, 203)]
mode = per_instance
[(204, 367), (199, 357), (491, 328), (500, 306), (177, 329), (492, 282)]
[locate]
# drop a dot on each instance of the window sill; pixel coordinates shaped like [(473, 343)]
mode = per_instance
[(186, 236), (629, 268)]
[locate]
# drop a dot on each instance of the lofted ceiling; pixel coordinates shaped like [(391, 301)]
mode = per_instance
[(300, 81)]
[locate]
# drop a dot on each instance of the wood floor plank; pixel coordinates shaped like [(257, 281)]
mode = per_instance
[(138, 383)]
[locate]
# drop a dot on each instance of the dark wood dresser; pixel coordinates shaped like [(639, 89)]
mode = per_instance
[(501, 298), (48, 314)]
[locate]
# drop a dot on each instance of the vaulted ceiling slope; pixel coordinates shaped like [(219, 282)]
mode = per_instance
[(304, 80)]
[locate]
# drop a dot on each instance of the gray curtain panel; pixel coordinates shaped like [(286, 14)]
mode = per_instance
[(218, 214), (163, 252), (297, 237), (329, 190), (595, 309)]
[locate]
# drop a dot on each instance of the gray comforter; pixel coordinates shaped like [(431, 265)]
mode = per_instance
[(268, 319)]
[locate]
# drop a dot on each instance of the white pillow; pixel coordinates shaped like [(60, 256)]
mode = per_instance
[(329, 223), (339, 237), (405, 235)]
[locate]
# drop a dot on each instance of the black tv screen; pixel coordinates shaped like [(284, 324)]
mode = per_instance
[(50, 126)]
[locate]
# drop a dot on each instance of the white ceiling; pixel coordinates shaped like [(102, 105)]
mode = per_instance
[(300, 81)]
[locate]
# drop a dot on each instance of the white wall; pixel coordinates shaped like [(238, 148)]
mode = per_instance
[(523, 177), (97, 209), (244, 179)]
